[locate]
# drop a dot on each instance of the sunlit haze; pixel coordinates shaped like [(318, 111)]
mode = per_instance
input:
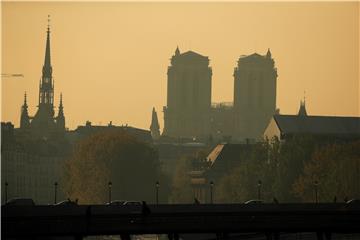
[(110, 59)]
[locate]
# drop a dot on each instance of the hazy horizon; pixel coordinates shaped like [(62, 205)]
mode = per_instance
[(110, 59)]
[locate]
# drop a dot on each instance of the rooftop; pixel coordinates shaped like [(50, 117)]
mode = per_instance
[(318, 124)]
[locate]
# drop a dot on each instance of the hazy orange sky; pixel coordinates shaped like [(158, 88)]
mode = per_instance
[(110, 59)]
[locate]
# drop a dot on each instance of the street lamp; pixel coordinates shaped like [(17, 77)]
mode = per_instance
[(110, 185), (6, 191), (55, 192), (157, 185), (316, 183), (259, 189), (211, 191)]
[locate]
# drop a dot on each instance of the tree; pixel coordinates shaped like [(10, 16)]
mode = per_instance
[(233, 187), (276, 164), (132, 167), (241, 183), (286, 160), (181, 191), (336, 168)]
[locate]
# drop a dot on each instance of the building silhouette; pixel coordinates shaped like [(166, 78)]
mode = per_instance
[(187, 113), (87, 130), (254, 94), (44, 124), (33, 154), (190, 114), (325, 129)]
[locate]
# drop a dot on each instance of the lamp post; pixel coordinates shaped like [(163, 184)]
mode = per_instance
[(55, 192), (316, 183), (259, 189), (110, 185), (211, 192), (157, 186), (6, 191)]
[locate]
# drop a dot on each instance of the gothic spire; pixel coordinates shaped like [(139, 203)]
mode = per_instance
[(24, 118), (154, 127), (60, 119), (46, 91), (47, 69), (25, 101), (61, 108), (302, 109)]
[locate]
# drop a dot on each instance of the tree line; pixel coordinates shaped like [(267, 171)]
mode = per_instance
[(294, 170)]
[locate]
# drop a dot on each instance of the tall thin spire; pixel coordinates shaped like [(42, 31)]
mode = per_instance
[(25, 100), (61, 108), (46, 90), (47, 69), (60, 119)]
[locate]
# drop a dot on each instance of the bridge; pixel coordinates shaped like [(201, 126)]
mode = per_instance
[(221, 219)]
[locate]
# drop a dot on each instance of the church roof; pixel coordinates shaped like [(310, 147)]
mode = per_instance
[(329, 125), (225, 157), (228, 154)]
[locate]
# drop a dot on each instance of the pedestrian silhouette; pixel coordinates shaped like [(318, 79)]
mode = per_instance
[(145, 210)]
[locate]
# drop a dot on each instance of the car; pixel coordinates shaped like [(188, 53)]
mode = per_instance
[(132, 203), (116, 203), (67, 202), (353, 201), (20, 202), (254, 201)]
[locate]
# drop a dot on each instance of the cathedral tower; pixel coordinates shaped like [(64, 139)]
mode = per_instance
[(254, 94), (187, 113)]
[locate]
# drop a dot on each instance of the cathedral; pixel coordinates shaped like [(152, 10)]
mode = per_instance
[(191, 114), (44, 124)]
